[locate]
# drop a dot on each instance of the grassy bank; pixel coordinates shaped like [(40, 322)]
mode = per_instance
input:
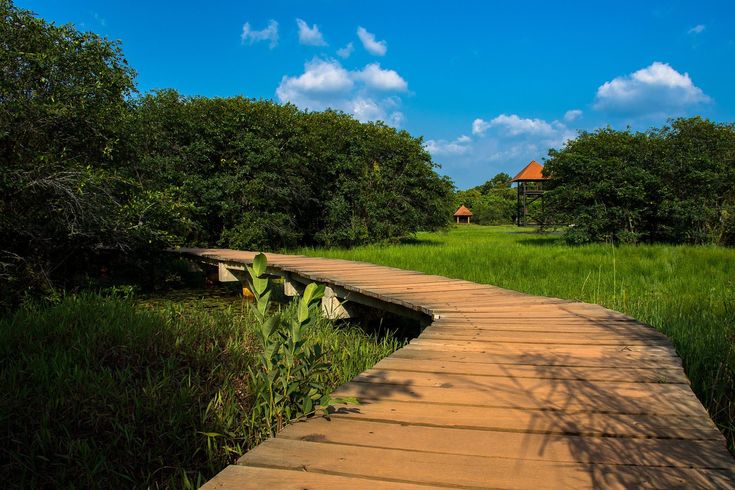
[(108, 393), (688, 292)]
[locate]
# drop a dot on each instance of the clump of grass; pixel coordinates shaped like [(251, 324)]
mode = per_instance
[(687, 292), (103, 393)]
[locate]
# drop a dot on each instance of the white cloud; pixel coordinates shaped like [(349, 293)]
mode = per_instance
[(657, 90), (513, 125), (378, 48), (395, 119), (459, 146), (376, 77), (270, 33), (698, 29), (310, 36), (479, 126), (365, 93), (319, 77), (346, 51), (572, 115)]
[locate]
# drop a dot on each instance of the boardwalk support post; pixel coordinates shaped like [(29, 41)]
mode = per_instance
[(225, 274), (334, 308)]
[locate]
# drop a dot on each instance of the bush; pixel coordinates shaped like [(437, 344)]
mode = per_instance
[(673, 185)]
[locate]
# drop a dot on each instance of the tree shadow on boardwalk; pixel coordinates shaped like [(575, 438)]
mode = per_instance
[(587, 433)]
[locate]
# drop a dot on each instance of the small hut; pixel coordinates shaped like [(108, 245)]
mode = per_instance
[(463, 215), (530, 182)]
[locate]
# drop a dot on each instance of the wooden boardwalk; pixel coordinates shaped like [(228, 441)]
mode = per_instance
[(501, 390)]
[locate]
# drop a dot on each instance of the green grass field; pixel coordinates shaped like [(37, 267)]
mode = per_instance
[(687, 292), (109, 393)]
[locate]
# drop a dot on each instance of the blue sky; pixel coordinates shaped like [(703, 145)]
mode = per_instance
[(489, 85)]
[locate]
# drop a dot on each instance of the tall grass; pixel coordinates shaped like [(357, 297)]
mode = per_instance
[(103, 393), (687, 292)]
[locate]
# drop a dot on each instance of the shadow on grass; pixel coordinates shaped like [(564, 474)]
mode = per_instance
[(419, 241), (542, 241)]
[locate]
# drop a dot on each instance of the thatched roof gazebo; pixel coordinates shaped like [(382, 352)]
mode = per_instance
[(463, 215)]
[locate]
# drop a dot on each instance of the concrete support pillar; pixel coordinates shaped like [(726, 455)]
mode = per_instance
[(225, 274), (334, 308)]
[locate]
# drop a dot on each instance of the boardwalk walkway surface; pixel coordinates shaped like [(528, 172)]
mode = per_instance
[(501, 390)]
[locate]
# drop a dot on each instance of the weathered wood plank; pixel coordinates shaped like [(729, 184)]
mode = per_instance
[(415, 412), (469, 471), (624, 374), (502, 444), (562, 396), (238, 477)]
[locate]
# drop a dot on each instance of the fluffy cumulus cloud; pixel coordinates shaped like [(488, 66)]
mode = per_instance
[(377, 48), (310, 36), (458, 146), (270, 33), (514, 125), (369, 93), (376, 77), (346, 51), (572, 115), (657, 90)]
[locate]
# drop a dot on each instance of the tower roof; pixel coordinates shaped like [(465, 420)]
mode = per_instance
[(532, 171), (463, 211)]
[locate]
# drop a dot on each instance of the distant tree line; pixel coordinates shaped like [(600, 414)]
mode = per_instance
[(674, 185), (492, 203), (90, 167)]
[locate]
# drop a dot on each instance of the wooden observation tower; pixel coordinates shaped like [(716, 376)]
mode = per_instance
[(530, 185)]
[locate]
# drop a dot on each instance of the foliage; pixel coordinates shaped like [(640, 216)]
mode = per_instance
[(107, 394), (288, 381), (673, 185), (263, 175), (492, 203), (687, 292), (91, 171), (63, 193)]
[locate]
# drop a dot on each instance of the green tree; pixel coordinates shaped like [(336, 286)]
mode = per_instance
[(492, 203), (61, 109), (673, 184)]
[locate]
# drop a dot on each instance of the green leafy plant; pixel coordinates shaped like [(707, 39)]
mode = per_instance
[(289, 379)]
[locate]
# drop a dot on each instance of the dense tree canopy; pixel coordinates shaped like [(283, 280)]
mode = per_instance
[(492, 203), (265, 175), (62, 109), (90, 166), (674, 185)]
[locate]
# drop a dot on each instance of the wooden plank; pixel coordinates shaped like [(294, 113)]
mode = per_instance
[(633, 351), (625, 374), (564, 338), (529, 392), (515, 445), (471, 471), (594, 333), (531, 421), (236, 477), (611, 360), (499, 382), (577, 327), (652, 399)]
